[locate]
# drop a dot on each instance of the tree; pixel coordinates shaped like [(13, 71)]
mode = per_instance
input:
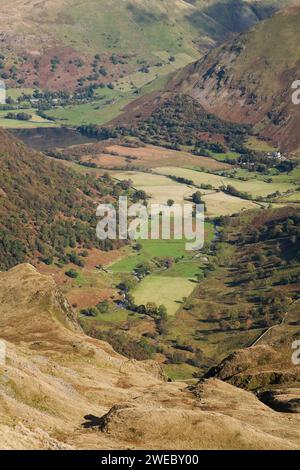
[(162, 312), (130, 301), (72, 274), (142, 309), (151, 308), (197, 197), (103, 306)]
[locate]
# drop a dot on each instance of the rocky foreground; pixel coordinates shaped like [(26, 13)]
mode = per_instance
[(63, 390)]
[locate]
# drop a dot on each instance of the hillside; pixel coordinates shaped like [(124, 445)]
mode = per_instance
[(63, 390), (267, 368), (54, 44), (249, 79), (45, 209)]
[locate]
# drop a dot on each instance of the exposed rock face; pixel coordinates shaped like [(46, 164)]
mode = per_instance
[(60, 389), (287, 400)]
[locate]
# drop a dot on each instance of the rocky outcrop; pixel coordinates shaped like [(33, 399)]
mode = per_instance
[(62, 390)]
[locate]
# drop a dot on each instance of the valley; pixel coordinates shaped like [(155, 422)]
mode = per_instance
[(112, 290), (140, 343)]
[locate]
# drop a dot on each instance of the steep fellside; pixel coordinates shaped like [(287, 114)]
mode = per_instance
[(249, 80), (268, 368), (44, 207), (54, 43), (60, 389)]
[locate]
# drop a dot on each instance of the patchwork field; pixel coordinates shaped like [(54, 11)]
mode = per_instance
[(106, 108), (107, 105), (151, 156), (254, 186), (162, 248), (159, 188), (164, 286), (150, 250), (254, 143)]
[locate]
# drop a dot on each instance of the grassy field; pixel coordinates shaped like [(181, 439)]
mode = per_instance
[(224, 156), (35, 121), (159, 188), (14, 93), (150, 249), (295, 197), (107, 105), (162, 248), (165, 287), (140, 79), (259, 145), (219, 203), (255, 187), (151, 156), (163, 290)]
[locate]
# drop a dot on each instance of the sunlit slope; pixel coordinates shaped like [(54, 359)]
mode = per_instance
[(60, 45), (249, 80)]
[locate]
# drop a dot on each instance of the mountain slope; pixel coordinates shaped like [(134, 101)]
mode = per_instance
[(53, 43), (249, 80), (267, 367), (44, 207), (56, 384)]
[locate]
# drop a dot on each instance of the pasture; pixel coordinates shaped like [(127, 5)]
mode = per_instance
[(35, 121), (158, 187), (255, 187), (151, 156), (163, 290), (139, 79), (219, 203)]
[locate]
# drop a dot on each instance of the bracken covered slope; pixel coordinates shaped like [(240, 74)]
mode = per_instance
[(60, 389), (249, 80), (44, 207), (46, 41)]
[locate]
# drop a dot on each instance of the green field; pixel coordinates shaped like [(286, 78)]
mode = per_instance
[(255, 187), (140, 79), (162, 249), (295, 197), (36, 121), (150, 249), (221, 157), (14, 93), (163, 290), (259, 145), (107, 105), (165, 286)]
